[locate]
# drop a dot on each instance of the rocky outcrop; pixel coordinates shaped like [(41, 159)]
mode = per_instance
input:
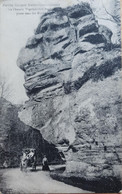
[(72, 77), (15, 135)]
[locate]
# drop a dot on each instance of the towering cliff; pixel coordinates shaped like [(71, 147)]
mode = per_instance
[(72, 77)]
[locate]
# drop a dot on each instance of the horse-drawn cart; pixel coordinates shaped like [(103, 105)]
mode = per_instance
[(28, 159)]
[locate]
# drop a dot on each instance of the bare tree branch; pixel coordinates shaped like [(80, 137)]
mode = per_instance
[(115, 18), (104, 18), (5, 88), (112, 18)]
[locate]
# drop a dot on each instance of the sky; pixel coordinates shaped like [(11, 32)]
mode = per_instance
[(14, 32)]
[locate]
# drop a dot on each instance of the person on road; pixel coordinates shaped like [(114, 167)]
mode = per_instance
[(5, 165), (24, 160), (32, 157), (45, 166)]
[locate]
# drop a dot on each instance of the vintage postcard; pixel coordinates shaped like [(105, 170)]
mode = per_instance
[(60, 96)]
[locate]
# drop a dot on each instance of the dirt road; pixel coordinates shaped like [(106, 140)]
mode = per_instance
[(13, 180)]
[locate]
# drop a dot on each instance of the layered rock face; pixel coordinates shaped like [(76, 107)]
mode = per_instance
[(15, 135), (72, 77)]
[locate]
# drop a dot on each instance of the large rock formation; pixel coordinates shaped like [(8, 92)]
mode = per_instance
[(72, 77), (15, 135)]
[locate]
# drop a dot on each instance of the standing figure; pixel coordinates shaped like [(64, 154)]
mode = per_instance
[(32, 157), (45, 166), (24, 162), (5, 165)]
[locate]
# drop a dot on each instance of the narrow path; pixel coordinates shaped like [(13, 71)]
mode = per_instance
[(33, 182)]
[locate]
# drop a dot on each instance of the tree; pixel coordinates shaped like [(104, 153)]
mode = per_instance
[(107, 13), (5, 88), (115, 8), (113, 17)]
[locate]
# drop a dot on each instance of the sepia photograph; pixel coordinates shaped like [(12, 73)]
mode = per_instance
[(60, 96)]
